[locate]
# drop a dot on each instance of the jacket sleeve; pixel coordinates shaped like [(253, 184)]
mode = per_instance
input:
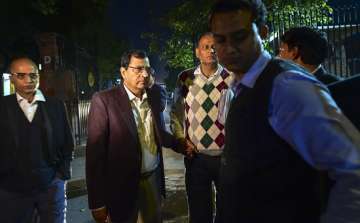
[(96, 152), (177, 113), (67, 151)]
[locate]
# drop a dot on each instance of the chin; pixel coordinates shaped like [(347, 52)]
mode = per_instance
[(141, 86)]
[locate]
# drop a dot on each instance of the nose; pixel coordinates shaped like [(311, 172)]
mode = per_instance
[(144, 73), (28, 79)]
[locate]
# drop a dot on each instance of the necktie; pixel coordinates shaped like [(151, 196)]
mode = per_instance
[(146, 133)]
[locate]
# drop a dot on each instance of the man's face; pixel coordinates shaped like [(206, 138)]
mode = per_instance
[(24, 76), (286, 53), (237, 39), (205, 51), (136, 75)]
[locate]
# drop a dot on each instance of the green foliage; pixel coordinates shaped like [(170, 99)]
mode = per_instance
[(185, 22), (189, 18), (45, 7), (283, 15)]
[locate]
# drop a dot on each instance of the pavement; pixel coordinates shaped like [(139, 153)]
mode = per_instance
[(174, 206)]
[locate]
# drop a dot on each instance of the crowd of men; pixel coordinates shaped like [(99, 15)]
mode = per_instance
[(264, 138)]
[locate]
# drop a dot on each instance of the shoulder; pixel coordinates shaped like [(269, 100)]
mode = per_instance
[(7, 98), (108, 94), (157, 91), (186, 74), (157, 88), (297, 89), (6, 101), (292, 78)]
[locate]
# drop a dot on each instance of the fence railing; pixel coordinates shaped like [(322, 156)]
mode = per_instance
[(342, 27), (78, 115)]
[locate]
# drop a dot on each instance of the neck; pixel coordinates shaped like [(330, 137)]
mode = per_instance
[(28, 96), (310, 68), (208, 69)]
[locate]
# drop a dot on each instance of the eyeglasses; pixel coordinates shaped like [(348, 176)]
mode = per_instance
[(21, 76), (139, 70)]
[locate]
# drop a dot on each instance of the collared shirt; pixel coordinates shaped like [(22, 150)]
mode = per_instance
[(195, 114), (302, 112), (29, 109), (316, 69), (150, 160), (199, 73)]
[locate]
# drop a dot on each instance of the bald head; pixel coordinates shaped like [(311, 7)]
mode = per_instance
[(25, 77), (21, 61)]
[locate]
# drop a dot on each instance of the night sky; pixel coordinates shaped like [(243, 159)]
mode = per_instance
[(131, 18)]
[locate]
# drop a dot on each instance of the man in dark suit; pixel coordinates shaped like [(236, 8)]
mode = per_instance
[(36, 148), (307, 47), (281, 129), (124, 167), (347, 95)]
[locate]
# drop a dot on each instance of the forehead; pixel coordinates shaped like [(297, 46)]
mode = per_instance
[(23, 65), (228, 22), (284, 45), (207, 39), (139, 61)]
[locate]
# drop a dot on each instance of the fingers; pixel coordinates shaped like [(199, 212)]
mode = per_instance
[(100, 215), (190, 149)]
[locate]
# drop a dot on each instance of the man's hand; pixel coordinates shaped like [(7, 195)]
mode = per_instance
[(100, 215), (190, 149)]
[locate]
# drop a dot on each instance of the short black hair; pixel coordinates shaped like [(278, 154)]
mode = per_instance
[(256, 7), (126, 56), (312, 43), (199, 37)]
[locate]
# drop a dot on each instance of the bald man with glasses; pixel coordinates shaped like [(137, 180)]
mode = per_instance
[(36, 148)]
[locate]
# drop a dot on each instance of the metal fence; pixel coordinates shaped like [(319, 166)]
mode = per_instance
[(78, 116), (342, 27)]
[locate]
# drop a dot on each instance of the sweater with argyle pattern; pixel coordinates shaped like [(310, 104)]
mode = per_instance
[(194, 114)]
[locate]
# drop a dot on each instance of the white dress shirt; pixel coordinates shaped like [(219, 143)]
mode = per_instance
[(29, 109)]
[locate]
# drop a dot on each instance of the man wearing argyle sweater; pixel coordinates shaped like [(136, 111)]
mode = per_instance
[(195, 119)]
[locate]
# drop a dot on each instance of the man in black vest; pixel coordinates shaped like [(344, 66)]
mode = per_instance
[(347, 95), (282, 127), (36, 148), (307, 47)]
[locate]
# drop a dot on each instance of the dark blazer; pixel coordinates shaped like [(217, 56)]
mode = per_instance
[(113, 152), (322, 75), (58, 135), (346, 93)]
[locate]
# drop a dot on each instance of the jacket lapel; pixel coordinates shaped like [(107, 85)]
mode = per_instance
[(123, 104), (155, 115)]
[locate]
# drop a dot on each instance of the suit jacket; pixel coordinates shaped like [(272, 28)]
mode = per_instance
[(113, 151), (322, 75), (347, 95), (59, 140)]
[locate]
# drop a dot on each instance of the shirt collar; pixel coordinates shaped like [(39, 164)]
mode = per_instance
[(217, 72), (316, 69), (132, 96), (37, 97), (250, 77)]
